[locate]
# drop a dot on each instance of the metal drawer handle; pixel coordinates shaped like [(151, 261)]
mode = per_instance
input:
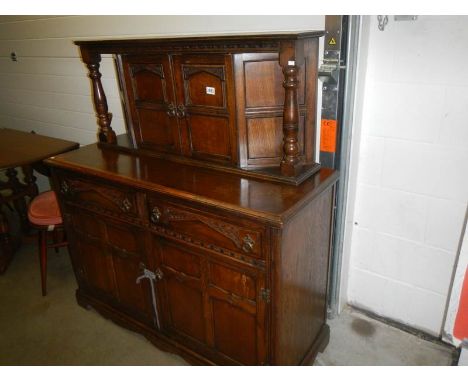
[(248, 243), (156, 214)]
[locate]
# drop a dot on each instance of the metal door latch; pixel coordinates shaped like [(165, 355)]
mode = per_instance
[(329, 70)]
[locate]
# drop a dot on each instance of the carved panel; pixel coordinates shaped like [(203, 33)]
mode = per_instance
[(217, 71), (156, 69), (148, 83)]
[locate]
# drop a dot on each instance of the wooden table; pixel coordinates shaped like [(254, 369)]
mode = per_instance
[(25, 150)]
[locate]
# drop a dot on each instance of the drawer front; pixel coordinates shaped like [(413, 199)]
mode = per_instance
[(240, 239), (98, 197)]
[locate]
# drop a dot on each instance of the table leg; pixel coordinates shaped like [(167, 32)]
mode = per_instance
[(19, 202), (7, 245), (30, 181)]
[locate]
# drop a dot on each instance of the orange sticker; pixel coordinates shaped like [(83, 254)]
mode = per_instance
[(328, 135)]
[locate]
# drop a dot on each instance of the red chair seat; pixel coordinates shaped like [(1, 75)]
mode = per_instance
[(44, 210)]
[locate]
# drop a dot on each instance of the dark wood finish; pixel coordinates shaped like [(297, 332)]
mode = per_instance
[(19, 148), (302, 294), (260, 97), (92, 60), (238, 102), (150, 99), (239, 265), (207, 226), (290, 164), (207, 120), (25, 150)]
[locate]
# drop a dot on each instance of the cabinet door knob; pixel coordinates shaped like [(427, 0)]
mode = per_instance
[(248, 243), (171, 110), (156, 214)]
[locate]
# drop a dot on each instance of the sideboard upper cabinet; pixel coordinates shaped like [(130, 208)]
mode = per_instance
[(245, 103)]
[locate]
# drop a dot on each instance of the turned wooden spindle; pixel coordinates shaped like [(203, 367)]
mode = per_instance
[(106, 134), (290, 163)]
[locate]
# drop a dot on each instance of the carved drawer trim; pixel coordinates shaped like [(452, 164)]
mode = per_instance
[(248, 241), (125, 202), (211, 247)]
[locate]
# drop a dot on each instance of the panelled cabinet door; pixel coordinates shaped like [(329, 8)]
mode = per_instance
[(150, 92), (215, 307), (260, 104), (129, 262), (92, 262), (108, 258), (181, 291), (206, 106)]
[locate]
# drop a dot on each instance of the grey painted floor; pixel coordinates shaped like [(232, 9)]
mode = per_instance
[(54, 330)]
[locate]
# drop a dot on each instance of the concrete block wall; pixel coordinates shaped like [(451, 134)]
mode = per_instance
[(412, 178)]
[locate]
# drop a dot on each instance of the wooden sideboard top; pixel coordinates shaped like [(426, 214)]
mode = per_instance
[(230, 41), (272, 202)]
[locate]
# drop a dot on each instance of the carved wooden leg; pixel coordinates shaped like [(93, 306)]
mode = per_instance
[(106, 134), (290, 164), (30, 181)]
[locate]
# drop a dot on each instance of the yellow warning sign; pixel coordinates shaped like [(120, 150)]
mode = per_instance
[(332, 41)]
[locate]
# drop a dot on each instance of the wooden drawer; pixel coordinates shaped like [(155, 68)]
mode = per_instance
[(98, 197), (241, 239)]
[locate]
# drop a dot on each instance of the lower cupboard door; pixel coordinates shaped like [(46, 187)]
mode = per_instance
[(238, 313), (212, 307), (132, 288), (181, 292)]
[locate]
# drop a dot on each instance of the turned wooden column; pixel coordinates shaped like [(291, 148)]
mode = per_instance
[(290, 164), (92, 60)]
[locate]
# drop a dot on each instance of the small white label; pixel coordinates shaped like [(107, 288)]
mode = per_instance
[(210, 90), (291, 63)]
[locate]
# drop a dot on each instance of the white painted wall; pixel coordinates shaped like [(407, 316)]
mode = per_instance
[(47, 90), (456, 289), (411, 186)]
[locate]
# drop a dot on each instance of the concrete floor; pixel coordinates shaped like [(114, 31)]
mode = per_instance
[(357, 340), (54, 330)]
